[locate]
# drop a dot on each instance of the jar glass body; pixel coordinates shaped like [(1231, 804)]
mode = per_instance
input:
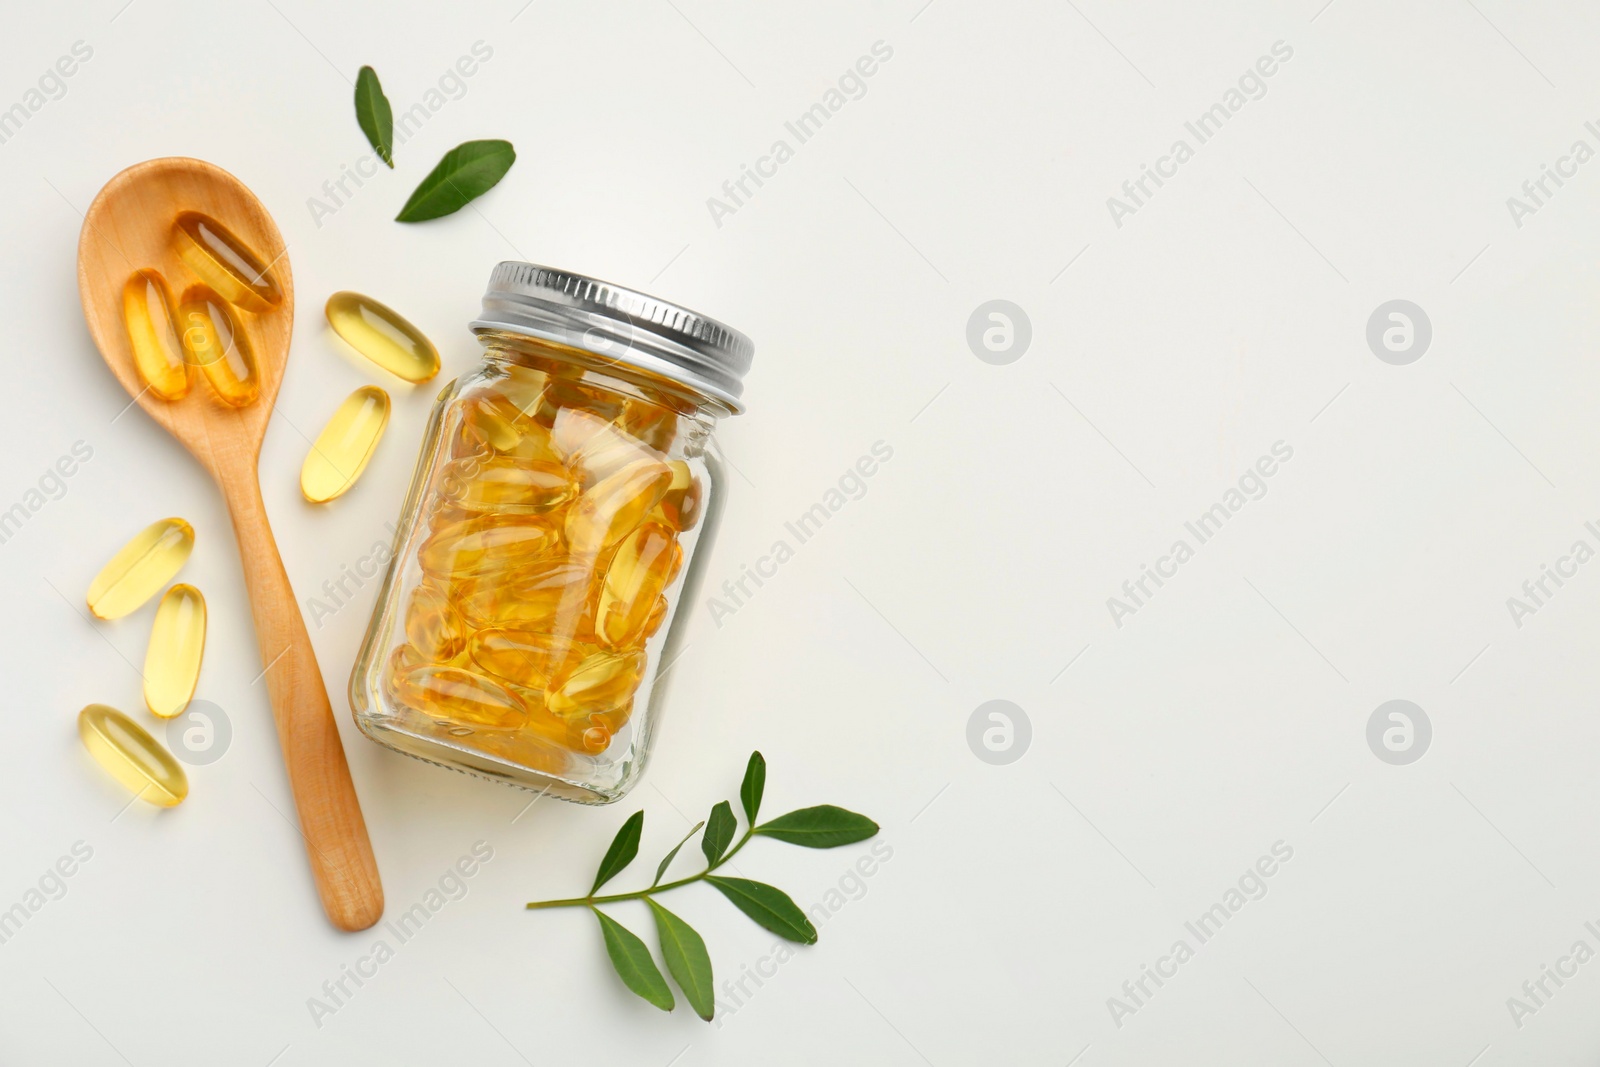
[(556, 525)]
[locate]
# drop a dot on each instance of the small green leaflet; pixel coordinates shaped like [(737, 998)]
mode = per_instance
[(623, 848), (824, 826), (687, 959), (755, 782), (633, 963), (719, 832), (667, 862), (374, 116), (465, 173), (769, 906)]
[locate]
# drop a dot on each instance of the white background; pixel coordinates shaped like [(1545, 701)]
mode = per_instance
[(1229, 713)]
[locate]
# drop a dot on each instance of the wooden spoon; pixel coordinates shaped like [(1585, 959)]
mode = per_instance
[(128, 228)]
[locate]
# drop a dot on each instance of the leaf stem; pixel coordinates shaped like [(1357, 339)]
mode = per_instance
[(641, 894)]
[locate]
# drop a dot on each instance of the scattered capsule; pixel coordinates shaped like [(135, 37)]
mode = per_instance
[(456, 694), (524, 657), (177, 645), (383, 336), (680, 505), (487, 546), (345, 445), (605, 513), (141, 568), (536, 597), (131, 756), (225, 263), (213, 341), (506, 485), (601, 682), (157, 352), (645, 562), (433, 626)]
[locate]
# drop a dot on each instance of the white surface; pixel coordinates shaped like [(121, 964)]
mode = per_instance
[(1222, 317)]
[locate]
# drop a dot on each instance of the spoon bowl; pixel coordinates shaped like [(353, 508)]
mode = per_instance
[(129, 228)]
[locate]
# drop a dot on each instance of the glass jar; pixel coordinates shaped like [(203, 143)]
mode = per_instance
[(556, 527)]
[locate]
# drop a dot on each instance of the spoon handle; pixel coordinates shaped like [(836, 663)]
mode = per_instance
[(330, 815)]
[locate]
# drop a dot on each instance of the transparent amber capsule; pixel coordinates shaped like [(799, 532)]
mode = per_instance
[(461, 696), (534, 598), (615, 505), (651, 423), (402, 660), (680, 505), (345, 445), (594, 448), (487, 546), (525, 657), (645, 562), (157, 352), (507, 485), (141, 568), (433, 626), (213, 341), (225, 263), (599, 683), (131, 756), (495, 420), (658, 615), (383, 336), (177, 645)]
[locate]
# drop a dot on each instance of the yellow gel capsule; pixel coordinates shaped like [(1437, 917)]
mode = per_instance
[(157, 352), (177, 645), (403, 659), (524, 657), (460, 696), (225, 263), (506, 485), (345, 445), (433, 626), (605, 513), (601, 682), (487, 546), (658, 615), (213, 341), (645, 562), (533, 598), (131, 756), (681, 504), (141, 568), (594, 448), (383, 336), (653, 424)]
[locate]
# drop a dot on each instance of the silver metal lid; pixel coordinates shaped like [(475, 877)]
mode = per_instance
[(618, 324)]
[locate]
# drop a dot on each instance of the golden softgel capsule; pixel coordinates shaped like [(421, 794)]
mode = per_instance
[(487, 546), (615, 505), (645, 562), (345, 445), (433, 626), (140, 568), (506, 485), (213, 341), (177, 645), (601, 682), (460, 696), (157, 352), (225, 263), (129, 754), (383, 336)]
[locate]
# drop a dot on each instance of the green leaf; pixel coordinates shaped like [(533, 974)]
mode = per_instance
[(823, 826), (623, 848), (769, 906), (755, 782), (633, 963), (687, 959), (661, 870), (374, 115), (719, 832), (465, 173)]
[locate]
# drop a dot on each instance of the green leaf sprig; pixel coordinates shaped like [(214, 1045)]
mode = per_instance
[(465, 173), (823, 826)]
